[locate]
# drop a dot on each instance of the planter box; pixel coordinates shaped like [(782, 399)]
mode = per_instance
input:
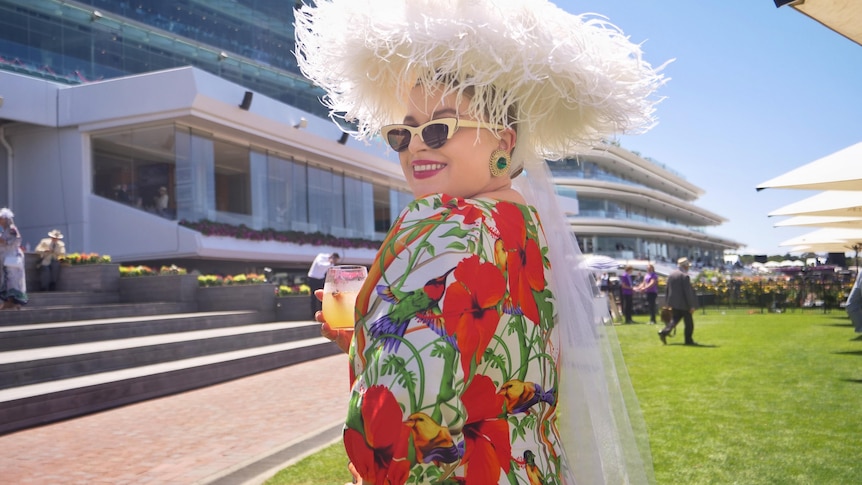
[(31, 273), (239, 297), (293, 308), (89, 277), (171, 287)]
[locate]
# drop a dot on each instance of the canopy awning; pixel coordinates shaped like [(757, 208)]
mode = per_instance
[(821, 221), (835, 203), (822, 248), (840, 171), (830, 236), (841, 16)]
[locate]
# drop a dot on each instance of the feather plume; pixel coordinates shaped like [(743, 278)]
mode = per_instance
[(573, 79)]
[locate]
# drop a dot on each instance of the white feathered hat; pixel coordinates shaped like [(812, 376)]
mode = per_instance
[(563, 81)]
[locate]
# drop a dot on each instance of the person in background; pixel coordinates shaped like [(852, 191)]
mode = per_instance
[(317, 276), (476, 357), (121, 193), (13, 286), (604, 284), (162, 201), (649, 286), (51, 249), (627, 294), (853, 305), (683, 301)]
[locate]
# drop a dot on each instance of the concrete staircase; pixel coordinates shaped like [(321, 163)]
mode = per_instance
[(71, 353)]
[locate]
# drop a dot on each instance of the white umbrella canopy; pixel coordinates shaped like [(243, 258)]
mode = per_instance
[(830, 235), (821, 221), (599, 263), (841, 170), (842, 16), (834, 203), (824, 247)]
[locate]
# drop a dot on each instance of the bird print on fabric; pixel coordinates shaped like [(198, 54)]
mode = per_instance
[(534, 475), (420, 303), (432, 442), (520, 396)]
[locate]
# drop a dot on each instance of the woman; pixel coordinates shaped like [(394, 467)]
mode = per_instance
[(468, 347), (627, 293), (650, 286), (13, 289)]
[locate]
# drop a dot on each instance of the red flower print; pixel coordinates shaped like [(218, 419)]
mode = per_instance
[(470, 307), (458, 206), (521, 257), (487, 447), (380, 456)]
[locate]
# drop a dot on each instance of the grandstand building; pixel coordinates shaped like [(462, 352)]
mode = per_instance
[(630, 207)]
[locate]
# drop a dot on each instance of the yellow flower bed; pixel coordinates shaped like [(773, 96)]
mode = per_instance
[(285, 290), (240, 279), (86, 258)]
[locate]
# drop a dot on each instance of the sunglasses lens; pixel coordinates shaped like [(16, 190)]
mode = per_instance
[(435, 134), (398, 139)]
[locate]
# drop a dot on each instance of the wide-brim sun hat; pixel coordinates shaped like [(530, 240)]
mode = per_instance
[(56, 234), (564, 81)]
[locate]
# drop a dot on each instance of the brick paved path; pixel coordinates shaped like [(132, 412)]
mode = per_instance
[(187, 438)]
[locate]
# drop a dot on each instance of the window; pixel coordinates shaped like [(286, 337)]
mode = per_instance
[(232, 178), (134, 166), (325, 199), (358, 208)]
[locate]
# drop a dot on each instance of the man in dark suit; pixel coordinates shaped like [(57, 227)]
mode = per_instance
[(681, 298)]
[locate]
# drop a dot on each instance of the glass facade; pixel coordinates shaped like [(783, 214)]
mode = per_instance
[(589, 171), (205, 178), (607, 209), (249, 42)]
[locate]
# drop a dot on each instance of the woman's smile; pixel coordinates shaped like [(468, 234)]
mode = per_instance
[(423, 169)]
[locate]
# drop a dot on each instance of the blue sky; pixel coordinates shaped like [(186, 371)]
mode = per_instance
[(755, 91)]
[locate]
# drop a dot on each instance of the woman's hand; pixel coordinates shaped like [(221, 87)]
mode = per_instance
[(341, 336), (356, 477)]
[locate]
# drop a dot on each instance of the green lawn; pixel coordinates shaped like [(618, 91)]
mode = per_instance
[(767, 399)]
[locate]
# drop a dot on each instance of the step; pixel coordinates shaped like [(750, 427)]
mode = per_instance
[(65, 313), (32, 366), (26, 406), (69, 298), (19, 337)]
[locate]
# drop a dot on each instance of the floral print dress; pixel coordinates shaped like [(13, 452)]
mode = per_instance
[(456, 350)]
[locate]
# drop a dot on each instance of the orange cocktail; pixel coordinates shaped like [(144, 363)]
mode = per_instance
[(339, 294)]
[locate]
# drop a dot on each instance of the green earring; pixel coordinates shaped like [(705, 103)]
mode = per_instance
[(499, 163)]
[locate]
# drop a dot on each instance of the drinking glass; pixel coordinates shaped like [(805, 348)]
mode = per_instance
[(340, 288)]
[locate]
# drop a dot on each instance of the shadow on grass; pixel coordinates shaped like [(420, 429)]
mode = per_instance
[(859, 338), (854, 381), (700, 345), (837, 324), (850, 352)]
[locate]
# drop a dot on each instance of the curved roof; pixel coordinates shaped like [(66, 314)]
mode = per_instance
[(645, 197), (622, 227), (642, 171)]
